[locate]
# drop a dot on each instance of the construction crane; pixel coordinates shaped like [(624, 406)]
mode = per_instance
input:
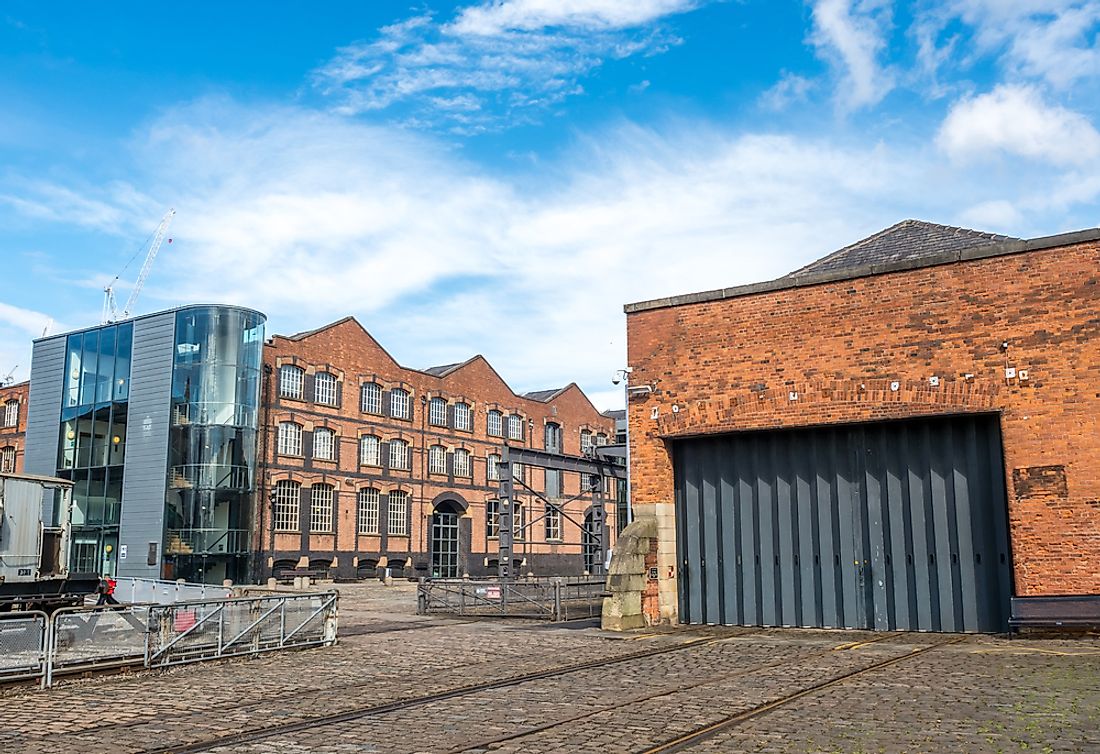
[(110, 308)]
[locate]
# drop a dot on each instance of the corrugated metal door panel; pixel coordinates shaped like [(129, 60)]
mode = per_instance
[(889, 526)]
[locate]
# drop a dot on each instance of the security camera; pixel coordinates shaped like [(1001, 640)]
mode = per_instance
[(615, 379)]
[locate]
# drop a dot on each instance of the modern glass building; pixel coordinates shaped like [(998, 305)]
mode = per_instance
[(155, 420)]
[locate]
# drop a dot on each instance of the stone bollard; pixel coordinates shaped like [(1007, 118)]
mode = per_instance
[(272, 583), (227, 582), (297, 582)]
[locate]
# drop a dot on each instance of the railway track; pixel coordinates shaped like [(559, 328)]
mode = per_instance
[(259, 734), (699, 735)]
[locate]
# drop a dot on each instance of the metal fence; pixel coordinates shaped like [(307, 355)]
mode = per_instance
[(554, 599), (74, 640), (23, 645), (134, 590)]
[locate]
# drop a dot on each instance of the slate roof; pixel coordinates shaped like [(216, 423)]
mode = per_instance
[(543, 395), (617, 413), (909, 240), (441, 370)]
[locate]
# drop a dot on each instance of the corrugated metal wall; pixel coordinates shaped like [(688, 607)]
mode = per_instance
[(894, 525), (44, 409), (143, 485)]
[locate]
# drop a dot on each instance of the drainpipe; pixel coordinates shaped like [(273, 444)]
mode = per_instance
[(258, 518)]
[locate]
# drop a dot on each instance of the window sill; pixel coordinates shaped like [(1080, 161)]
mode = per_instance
[(321, 533), (290, 455), (288, 531), (398, 536), (294, 398), (325, 460), (368, 534)]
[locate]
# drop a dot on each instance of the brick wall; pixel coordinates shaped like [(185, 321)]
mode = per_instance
[(865, 349), (13, 436), (348, 352)]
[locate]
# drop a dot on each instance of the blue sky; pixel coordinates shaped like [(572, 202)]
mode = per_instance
[(500, 177)]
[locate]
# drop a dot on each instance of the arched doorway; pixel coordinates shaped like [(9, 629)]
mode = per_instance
[(590, 544), (444, 542)]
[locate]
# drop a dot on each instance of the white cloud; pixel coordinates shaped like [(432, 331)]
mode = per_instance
[(851, 35), (501, 16), (789, 90), (495, 64), (1015, 120), (1054, 41)]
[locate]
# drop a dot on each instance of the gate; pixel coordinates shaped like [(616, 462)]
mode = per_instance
[(899, 525), (23, 648)]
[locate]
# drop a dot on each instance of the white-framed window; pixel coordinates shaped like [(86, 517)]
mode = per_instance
[(370, 398), (11, 413), (437, 412), (7, 459), (399, 403), (586, 441), (492, 518), (492, 467), (517, 522), (437, 459), (494, 424), (463, 417), (291, 380), (324, 444), (518, 472), (290, 439), (368, 511), (553, 522), (370, 450), (324, 389), (320, 508), (398, 513), (515, 427), (399, 454), (288, 497), (601, 438), (462, 463)]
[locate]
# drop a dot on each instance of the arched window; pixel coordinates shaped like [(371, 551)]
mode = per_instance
[(462, 463), (290, 439), (399, 454), (288, 496), (291, 379), (399, 403), (370, 451), (320, 508), (437, 459), (437, 412), (324, 389), (492, 467), (463, 418), (494, 426), (368, 511), (324, 444), (370, 398), (11, 413), (398, 514), (515, 427), (552, 437)]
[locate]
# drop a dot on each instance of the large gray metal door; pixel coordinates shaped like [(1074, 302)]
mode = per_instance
[(893, 525)]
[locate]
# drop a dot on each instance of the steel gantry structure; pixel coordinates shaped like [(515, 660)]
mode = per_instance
[(602, 463)]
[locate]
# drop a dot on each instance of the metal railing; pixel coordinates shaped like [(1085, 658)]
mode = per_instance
[(207, 541), (555, 599), (23, 645), (73, 640), (130, 590)]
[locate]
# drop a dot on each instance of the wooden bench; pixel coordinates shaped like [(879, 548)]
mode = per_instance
[(287, 575), (1076, 612)]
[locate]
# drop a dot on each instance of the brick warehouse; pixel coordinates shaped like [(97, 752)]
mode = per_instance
[(903, 434), (13, 423), (369, 464)]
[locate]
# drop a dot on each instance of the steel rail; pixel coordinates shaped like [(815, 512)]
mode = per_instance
[(687, 740)]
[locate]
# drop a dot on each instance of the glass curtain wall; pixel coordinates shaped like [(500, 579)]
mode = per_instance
[(92, 447), (212, 443)]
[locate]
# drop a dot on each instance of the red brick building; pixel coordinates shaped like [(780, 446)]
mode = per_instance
[(370, 464), (904, 434), (13, 426)]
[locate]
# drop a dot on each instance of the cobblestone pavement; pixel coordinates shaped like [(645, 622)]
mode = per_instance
[(592, 692)]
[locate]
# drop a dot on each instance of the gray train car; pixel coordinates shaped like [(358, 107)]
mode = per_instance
[(35, 515)]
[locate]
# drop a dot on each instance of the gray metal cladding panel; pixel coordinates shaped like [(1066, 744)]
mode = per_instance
[(44, 411), (889, 526), (143, 485)]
